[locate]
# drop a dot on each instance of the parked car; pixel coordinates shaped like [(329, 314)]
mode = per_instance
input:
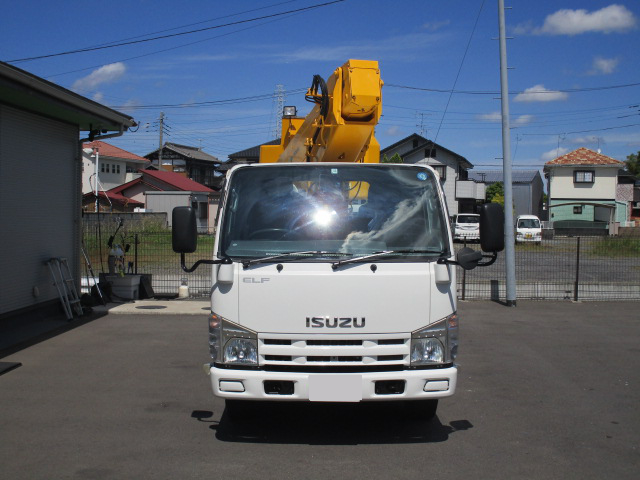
[(466, 226), (528, 229)]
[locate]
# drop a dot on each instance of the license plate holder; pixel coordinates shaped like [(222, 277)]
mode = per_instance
[(335, 388)]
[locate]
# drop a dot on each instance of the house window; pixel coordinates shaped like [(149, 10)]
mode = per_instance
[(429, 153), (131, 169), (442, 171), (577, 210), (583, 176), (102, 167), (415, 143), (117, 168)]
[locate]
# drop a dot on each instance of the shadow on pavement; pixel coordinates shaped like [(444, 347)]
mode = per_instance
[(329, 424), (28, 329)]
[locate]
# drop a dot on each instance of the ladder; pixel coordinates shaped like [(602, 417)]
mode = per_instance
[(65, 285), (93, 275)]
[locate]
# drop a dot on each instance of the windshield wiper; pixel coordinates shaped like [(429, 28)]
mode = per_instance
[(388, 253), (271, 258)]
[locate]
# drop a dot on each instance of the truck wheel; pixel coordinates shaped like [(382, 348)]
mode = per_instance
[(420, 410)]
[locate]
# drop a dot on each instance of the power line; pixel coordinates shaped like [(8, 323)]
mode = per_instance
[(583, 131), (473, 30), (481, 92), (160, 37), (229, 101)]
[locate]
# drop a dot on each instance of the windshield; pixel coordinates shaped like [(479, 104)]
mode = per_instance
[(528, 223), (468, 219), (333, 211)]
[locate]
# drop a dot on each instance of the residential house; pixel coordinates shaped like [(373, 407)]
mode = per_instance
[(462, 193), (583, 191), (190, 162), (160, 191), (115, 166), (527, 187), (41, 125), (246, 156)]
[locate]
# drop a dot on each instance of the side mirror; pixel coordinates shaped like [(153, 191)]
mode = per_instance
[(492, 227), (184, 231), (468, 259)]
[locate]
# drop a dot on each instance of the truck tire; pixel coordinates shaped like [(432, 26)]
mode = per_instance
[(420, 410)]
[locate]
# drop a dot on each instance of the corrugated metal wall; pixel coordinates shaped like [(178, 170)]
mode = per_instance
[(39, 204)]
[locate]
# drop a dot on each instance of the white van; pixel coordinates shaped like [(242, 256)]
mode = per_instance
[(528, 229), (466, 226)]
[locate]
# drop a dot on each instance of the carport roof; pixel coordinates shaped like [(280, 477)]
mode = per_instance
[(26, 91)]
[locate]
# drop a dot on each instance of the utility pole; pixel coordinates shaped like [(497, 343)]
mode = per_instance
[(96, 153), (161, 130), (510, 263), (278, 105)]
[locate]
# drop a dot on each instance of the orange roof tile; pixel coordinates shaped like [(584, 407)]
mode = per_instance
[(108, 150), (584, 156)]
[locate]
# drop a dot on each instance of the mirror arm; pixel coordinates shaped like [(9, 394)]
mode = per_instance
[(492, 258), (446, 261), (201, 262)]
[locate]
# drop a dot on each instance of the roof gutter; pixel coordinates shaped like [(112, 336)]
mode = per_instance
[(92, 135)]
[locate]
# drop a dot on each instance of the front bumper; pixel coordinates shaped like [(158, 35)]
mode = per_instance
[(466, 235), (250, 385)]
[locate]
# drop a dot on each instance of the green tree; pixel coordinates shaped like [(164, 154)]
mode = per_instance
[(395, 158), (495, 189), (632, 164)]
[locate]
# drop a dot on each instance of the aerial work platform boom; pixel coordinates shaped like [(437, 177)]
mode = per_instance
[(340, 127)]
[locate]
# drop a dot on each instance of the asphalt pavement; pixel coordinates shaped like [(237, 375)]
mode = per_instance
[(546, 390)]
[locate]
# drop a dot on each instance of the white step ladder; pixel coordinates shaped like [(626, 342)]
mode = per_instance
[(67, 290)]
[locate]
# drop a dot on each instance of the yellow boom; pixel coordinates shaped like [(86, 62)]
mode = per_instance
[(340, 128)]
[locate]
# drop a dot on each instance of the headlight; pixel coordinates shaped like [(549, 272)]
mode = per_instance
[(241, 351), (426, 351), (231, 343), (435, 344)]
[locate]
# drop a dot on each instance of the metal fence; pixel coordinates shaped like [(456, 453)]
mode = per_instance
[(571, 268), (150, 253), (578, 268)]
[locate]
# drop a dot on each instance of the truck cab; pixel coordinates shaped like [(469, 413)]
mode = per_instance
[(333, 282)]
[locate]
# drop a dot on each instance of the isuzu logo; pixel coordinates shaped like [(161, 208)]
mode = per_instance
[(335, 322)]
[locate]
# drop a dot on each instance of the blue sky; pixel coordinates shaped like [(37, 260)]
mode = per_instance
[(570, 61)]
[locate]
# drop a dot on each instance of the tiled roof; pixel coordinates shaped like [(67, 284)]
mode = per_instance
[(116, 197), (189, 152), (253, 151), (493, 176), (108, 150), (176, 180), (584, 156), (422, 143)]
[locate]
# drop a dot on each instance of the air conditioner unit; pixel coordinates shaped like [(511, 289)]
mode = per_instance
[(636, 204)]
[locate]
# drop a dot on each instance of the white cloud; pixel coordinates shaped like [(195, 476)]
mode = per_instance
[(603, 66), (433, 26), (538, 93), (98, 97), (553, 154), (409, 47), (497, 117), (612, 19), (105, 74), (393, 131), (523, 120), (490, 117)]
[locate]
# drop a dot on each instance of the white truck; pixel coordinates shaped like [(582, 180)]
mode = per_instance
[(334, 282)]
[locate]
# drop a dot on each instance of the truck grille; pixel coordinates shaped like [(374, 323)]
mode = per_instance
[(333, 351)]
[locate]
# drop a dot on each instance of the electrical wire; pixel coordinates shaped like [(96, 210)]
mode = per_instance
[(160, 37), (455, 82), (481, 92)]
